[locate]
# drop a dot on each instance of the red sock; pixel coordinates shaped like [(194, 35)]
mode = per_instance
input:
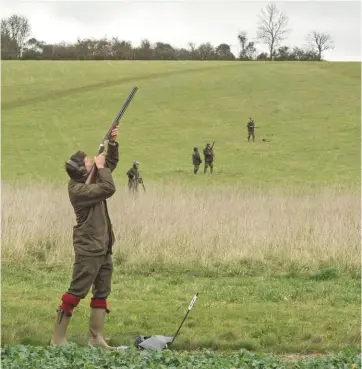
[(99, 304), (69, 303)]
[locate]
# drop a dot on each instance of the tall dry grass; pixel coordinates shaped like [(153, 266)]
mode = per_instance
[(193, 230)]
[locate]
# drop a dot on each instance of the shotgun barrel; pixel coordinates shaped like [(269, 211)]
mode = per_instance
[(92, 174)]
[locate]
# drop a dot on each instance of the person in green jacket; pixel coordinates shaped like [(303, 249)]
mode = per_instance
[(251, 127), (133, 176), (93, 238), (209, 158), (196, 160)]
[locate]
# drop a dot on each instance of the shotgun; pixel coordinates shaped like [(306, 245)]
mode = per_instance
[(140, 180), (104, 143)]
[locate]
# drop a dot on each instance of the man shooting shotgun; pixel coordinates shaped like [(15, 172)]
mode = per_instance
[(93, 236)]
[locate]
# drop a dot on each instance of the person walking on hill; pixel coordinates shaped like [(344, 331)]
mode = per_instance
[(93, 239), (251, 126), (196, 160), (133, 176), (209, 158)]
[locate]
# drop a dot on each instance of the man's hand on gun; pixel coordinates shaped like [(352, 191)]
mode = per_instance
[(99, 160), (114, 134)]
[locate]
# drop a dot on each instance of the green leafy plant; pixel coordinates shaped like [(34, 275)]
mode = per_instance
[(71, 356)]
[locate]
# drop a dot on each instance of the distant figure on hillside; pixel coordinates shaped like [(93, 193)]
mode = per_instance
[(196, 160), (133, 176), (251, 126), (209, 158)]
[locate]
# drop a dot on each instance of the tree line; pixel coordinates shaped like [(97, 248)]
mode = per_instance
[(272, 30)]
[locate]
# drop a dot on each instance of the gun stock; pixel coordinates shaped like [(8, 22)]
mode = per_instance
[(93, 173)]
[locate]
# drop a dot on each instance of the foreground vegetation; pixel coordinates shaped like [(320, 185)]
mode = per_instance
[(26, 357)]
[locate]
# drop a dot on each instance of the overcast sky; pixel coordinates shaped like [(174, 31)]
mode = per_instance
[(181, 22)]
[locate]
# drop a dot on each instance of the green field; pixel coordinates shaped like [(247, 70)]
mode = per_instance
[(309, 112), (271, 240)]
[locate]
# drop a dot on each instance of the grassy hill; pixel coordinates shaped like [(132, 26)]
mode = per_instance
[(309, 112)]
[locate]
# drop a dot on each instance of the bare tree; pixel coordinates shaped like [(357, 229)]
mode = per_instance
[(193, 51), (243, 39), (192, 46), (248, 49), (322, 41), (206, 51), (272, 27), (17, 29)]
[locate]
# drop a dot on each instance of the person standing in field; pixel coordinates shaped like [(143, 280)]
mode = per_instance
[(93, 238), (209, 158), (251, 126), (133, 176), (196, 160)]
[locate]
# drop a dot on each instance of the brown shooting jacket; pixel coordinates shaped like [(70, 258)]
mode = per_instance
[(93, 234)]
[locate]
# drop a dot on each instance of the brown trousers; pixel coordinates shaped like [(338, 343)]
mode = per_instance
[(209, 164), (251, 133), (91, 271), (132, 185)]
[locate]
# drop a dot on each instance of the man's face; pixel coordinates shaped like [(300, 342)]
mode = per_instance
[(88, 164)]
